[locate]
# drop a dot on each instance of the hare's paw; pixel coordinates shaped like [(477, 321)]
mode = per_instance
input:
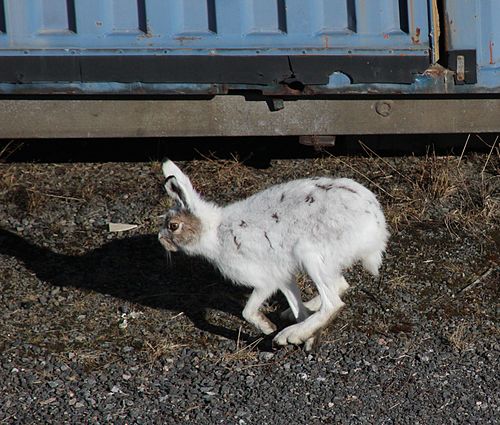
[(293, 334), (297, 337), (267, 327), (260, 321), (313, 343)]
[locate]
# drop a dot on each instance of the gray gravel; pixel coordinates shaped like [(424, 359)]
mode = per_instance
[(98, 327)]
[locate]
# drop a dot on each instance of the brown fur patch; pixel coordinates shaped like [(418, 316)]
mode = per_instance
[(347, 188), (310, 199), (190, 231), (326, 187)]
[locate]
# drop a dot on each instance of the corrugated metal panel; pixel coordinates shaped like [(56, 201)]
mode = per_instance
[(237, 44), (473, 25), (383, 27)]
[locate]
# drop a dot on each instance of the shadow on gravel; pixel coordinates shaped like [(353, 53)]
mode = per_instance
[(136, 269)]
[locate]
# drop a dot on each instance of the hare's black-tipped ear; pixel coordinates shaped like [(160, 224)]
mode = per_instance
[(176, 192)]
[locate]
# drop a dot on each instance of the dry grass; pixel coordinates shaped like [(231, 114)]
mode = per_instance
[(440, 189), (461, 339), (398, 282), (243, 352), (156, 350), (237, 179), (455, 269), (306, 285)]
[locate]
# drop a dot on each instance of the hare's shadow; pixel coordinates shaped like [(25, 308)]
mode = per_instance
[(136, 269)]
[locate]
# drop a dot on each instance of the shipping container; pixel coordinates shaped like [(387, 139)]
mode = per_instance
[(77, 68)]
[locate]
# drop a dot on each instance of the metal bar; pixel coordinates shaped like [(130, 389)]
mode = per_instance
[(233, 116)]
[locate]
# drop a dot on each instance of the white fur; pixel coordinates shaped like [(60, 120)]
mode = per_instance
[(319, 226)]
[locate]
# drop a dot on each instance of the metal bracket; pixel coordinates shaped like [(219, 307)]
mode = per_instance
[(464, 64), (318, 142), (275, 104)]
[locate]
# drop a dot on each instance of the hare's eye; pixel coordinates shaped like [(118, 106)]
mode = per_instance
[(173, 226)]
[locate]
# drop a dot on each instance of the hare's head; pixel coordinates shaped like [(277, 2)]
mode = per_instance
[(182, 227)]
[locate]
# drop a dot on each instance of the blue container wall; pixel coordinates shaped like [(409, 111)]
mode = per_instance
[(248, 28), (475, 25), (63, 27)]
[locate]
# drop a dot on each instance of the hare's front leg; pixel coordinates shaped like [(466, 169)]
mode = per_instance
[(253, 315)]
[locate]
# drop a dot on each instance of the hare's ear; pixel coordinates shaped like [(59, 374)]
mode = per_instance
[(179, 187), (170, 169), (176, 192)]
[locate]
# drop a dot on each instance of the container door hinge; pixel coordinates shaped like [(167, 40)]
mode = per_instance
[(464, 64)]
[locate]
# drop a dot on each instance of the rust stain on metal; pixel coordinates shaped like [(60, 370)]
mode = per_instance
[(416, 38), (492, 62), (285, 90), (436, 70), (182, 39), (386, 36), (326, 42), (187, 38)]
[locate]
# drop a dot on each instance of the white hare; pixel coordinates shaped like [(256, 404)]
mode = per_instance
[(318, 225)]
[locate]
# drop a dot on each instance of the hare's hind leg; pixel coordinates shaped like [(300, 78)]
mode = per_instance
[(315, 303), (328, 288), (252, 314), (309, 308)]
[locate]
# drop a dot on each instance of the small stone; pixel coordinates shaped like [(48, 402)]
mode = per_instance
[(124, 309), (266, 356)]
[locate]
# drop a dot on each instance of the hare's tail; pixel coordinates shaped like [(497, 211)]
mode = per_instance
[(372, 262)]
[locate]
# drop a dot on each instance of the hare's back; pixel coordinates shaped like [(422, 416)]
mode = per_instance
[(305, 197)]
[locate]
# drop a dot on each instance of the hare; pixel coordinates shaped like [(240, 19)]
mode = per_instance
[(317, 225)]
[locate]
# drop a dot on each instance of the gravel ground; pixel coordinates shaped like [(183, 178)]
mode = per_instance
[(98, 327)]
